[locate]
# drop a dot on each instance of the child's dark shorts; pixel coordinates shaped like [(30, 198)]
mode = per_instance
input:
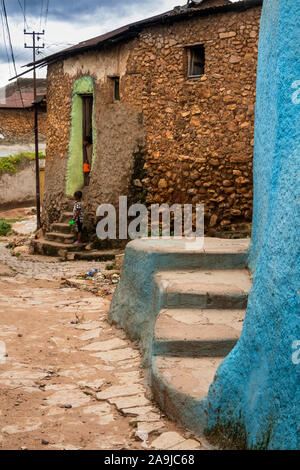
[(78, 226)]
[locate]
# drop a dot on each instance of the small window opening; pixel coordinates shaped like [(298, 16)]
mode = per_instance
[(116, 88), (196, 61)]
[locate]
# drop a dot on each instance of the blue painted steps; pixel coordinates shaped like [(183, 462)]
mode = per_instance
[(186, 308), (199, 324)]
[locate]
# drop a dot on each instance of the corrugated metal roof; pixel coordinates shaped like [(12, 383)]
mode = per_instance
[(133, 29), (10, 94), (15, 101)]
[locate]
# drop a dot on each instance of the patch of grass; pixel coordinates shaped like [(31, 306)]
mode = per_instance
[(10, 163), (110, 267), (5, 228), (134, 424), (13, 221)]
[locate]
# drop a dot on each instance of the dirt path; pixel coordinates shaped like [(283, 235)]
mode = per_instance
[(68, 385)]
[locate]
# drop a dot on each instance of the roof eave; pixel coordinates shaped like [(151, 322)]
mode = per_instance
[(135, 28)]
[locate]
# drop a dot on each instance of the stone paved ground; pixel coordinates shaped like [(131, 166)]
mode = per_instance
[(68, 385)]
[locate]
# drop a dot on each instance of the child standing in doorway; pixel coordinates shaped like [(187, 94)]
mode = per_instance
[(78, 216)]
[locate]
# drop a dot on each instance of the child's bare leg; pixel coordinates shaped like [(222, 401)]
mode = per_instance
[(79, 237)]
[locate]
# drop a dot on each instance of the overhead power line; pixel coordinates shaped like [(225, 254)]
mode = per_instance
[(47, 10), (11, 47), (4, 39), (23, 11), (41, 15)]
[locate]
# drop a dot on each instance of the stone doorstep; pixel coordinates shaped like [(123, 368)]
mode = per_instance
[(218, 281), (212, 245), (206, 338), (202, 289), (193, 349), (61, 227), (190, 376), (193, 324), (95, 255), (66, 216), (59, 237), (51, 248)]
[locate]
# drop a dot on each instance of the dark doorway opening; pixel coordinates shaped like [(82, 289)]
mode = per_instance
[(87, 135)]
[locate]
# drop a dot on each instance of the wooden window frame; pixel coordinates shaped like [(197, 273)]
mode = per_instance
[(115, 80), (191, 50)]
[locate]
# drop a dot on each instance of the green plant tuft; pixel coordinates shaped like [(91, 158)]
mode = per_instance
[(5, 228), (10, 163), (110, 267)]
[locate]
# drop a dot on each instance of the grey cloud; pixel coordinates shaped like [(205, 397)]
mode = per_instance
[(20, 54), (73, 9)]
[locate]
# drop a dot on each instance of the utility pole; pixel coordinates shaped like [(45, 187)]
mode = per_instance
[(35, 49)]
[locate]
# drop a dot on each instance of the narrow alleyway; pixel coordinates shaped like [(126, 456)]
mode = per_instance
[(68, 379)]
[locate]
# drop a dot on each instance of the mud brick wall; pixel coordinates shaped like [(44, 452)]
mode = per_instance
[(17, 125), (196, 135)]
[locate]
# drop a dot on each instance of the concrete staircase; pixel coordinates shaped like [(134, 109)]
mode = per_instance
[(190, 322), (199, 324), (60, 242)]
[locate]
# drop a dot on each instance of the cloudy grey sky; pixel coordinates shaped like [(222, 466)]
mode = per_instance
[(68, 22)]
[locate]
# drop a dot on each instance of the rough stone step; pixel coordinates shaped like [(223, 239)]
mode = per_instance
[(66, 217), (61, 227), (97, 255), (180, 386), (50, 248), (215, 253), (225, 289), (197, 333), (66, 238)]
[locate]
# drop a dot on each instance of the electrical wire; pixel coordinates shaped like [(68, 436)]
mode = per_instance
[(4, 40), (41, 15), (47, 10), (12, 53), (23, 11)]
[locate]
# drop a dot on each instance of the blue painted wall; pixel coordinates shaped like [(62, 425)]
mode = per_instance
[(255, 399)]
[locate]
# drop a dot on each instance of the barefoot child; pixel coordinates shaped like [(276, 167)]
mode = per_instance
[(78, 215)]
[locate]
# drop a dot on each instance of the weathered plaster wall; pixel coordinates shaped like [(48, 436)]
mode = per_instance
[(119, 133), (113, 62), (59, 105), (197, 134), (19, 188), (254, 400)]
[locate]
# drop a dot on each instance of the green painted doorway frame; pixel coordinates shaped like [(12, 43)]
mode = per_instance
[(74, 175)]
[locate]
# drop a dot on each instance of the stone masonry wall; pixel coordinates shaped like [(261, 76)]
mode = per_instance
[(196, 135), (17, 125)]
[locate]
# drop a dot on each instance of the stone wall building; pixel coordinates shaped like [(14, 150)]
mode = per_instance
[(168, 104), (17, 116)]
